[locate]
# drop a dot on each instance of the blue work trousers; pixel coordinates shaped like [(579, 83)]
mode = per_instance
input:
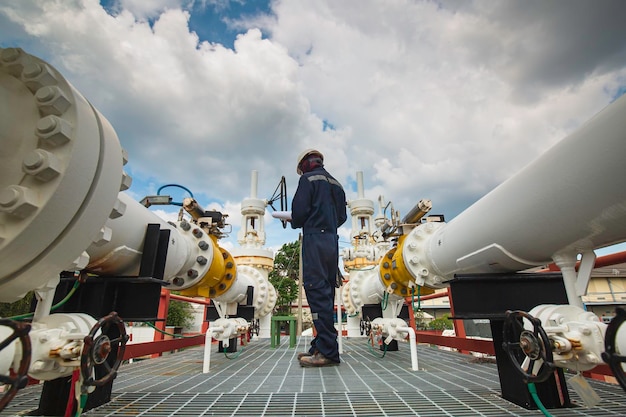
[(319, 270)]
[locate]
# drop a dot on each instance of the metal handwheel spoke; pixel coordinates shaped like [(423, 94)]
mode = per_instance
[(20, 379), (529, 350), (610, 355), (96, 350)]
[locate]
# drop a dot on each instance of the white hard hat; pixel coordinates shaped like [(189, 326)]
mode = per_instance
[(303, 155)]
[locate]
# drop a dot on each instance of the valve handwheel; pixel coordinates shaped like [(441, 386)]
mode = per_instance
[(365, 327), (255, 327), (610, 356), (530, 351), (20, 378), (98, 345), (282, 196)]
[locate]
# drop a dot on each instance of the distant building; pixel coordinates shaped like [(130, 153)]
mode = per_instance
[(606, 291)]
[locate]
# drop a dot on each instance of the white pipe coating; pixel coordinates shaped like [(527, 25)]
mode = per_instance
[(254, 183), (359, 184), (571, 198), (413, 344), (207, 347), (339, 321)]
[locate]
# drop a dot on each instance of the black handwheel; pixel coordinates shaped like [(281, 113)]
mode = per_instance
[(530, 351), (255, 327), (280, 193), (283, 199), (610, 355), (20, 378), (365, 327), (107, 336)]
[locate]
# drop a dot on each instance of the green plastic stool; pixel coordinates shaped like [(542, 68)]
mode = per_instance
[(275, 330)]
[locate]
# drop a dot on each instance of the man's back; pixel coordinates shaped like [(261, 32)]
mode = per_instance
[(319, 203)]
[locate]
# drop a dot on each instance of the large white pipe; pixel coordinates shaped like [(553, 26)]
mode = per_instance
[(60, 174), (118, 252), (571, 199), (60, 180)]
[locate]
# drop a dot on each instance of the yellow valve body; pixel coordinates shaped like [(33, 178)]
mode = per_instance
[(394, 274)]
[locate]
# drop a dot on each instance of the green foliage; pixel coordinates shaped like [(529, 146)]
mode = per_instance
[(179, 314), (17, 308), (442, 323), (421, 323), (284, 276)]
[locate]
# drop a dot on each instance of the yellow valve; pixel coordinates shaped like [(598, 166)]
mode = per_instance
[(394, 274), (220, 276)]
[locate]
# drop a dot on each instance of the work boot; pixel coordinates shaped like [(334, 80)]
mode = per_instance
[(303, 354), (316, 360)]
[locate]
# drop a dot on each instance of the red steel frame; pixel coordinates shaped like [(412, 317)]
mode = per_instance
[(160, 344)]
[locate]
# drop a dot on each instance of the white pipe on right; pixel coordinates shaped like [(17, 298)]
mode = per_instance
[(571, 198)]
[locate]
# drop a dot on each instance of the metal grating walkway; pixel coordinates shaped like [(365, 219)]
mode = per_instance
[(261, 381)]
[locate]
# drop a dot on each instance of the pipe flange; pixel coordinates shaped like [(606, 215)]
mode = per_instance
[(203, 253), (415, 257), (60, 173)]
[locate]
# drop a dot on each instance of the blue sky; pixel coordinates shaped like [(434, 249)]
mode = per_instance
[(213, 21), (441, 100)]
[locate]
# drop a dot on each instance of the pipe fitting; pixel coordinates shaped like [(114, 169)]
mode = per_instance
[(53, 130), (18, 201), (52, 100), (119, 208), (11, 59), (36, 76), (41, 164)]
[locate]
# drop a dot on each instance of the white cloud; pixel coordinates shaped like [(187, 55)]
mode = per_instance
[(150, 9), (437, 97), (440, 100)]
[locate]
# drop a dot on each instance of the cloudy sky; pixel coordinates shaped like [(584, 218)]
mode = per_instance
[(429, 99)]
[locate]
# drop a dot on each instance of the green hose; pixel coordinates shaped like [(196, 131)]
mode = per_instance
[(235, 356), (419, 298), (54, 307), (533, 393), (81, 405), (370, 343), (170, 334), (385, 301)]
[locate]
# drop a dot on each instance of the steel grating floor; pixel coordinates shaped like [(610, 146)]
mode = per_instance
[(261, 381)]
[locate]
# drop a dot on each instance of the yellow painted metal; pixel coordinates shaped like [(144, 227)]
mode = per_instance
[(220, 276), (358, 263), (256, 262), (394, 274)]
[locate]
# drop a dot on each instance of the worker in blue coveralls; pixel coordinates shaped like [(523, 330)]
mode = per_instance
[(319, 208)]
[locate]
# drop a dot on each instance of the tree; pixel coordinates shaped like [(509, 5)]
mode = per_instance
[(442, 323), (179, 314), (18, 307), (284, 276)]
